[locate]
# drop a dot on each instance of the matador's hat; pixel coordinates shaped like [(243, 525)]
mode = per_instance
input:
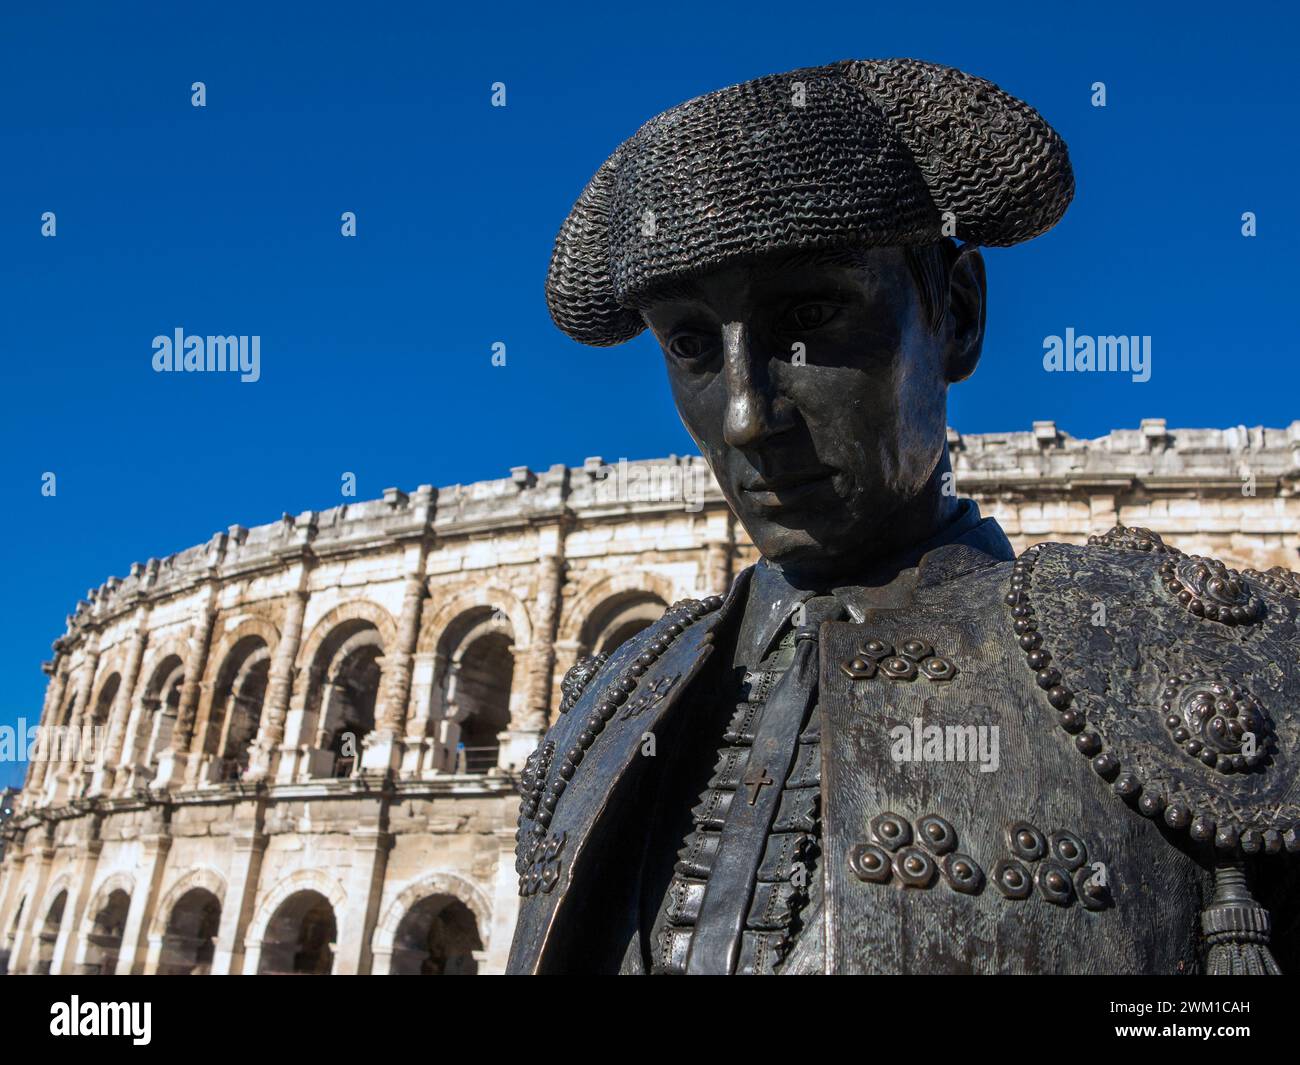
[(865, 153)]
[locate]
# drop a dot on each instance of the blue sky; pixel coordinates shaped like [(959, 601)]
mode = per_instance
[(376, 350)]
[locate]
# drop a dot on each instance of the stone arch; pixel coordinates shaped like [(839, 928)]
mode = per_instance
[(166, 676), (183, 934), (252, 626), (445, 891), (62, 882), (475, 685), (303, 880), (112, 882), (48, 924), (173, 647), (302, 937), (359, 640), (158, 704), (103, 926), (63, 712), (617, 619), (207, 879), (352, 610), (112, 664), (344, 685), (340, 678), (438, 883), (239, 672), (589, 601), (101, 702), (434, 627)]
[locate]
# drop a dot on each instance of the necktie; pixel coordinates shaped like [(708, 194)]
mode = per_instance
[(727, 897)]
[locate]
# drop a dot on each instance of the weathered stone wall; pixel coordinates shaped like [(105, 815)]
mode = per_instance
[(276, 719)]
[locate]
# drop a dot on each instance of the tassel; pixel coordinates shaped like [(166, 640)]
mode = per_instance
[(1236, 928)]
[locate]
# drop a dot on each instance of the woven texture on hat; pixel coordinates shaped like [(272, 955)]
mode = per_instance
[(988, 158), (855, 153), (578, 290)]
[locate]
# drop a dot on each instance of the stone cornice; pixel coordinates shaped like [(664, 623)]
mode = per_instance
[(496, 784)]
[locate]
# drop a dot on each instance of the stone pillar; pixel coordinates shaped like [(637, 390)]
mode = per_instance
[(65, 948), (135, 937), (505, 904), (141, 716), (171, 766), (365, 887), (419, 755), (39, 766), (122, 705), (249, 845), (11, 868), (383, 745), (237, 909), (526, 729), (550, 579), (199, 733), (279, 684), (33, 913), (15, 863)]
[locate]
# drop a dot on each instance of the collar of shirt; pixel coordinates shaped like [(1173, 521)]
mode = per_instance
[(967, 543)]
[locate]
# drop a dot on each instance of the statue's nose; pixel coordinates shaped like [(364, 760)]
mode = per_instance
[(751, 406)]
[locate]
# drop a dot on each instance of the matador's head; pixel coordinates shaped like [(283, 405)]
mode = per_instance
[(790, 243)]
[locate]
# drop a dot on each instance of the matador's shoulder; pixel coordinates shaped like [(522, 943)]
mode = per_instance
[(1178, 677), (621, 691)]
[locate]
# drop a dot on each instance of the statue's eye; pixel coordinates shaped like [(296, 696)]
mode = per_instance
[(689, 346), (808, 316)]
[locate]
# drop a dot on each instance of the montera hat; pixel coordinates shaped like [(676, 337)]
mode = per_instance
[(868, 153)]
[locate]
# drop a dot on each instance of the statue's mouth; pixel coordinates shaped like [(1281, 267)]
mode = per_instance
[(789, 489)]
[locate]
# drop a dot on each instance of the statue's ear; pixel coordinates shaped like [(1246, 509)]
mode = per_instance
[(966, 303)]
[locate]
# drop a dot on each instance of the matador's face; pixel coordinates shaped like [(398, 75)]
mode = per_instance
[(816, 388)]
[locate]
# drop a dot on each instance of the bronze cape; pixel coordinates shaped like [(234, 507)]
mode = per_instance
[(1143, 817)]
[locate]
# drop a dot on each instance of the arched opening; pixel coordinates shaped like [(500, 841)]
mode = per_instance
[(99, 720), (104, 704), (618, 619), (437, 937), (354, 691), (49, 934), (161, 700), (236, 709), (487, 669), (478, 650), (348, 667), (191, 936), (299, 939), (65, 715), (104, 942)]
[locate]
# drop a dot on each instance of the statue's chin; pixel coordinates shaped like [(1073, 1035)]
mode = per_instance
[(801, 549), (831, 545)]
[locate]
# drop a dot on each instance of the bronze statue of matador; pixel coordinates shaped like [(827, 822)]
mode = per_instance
[(893, 746)]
